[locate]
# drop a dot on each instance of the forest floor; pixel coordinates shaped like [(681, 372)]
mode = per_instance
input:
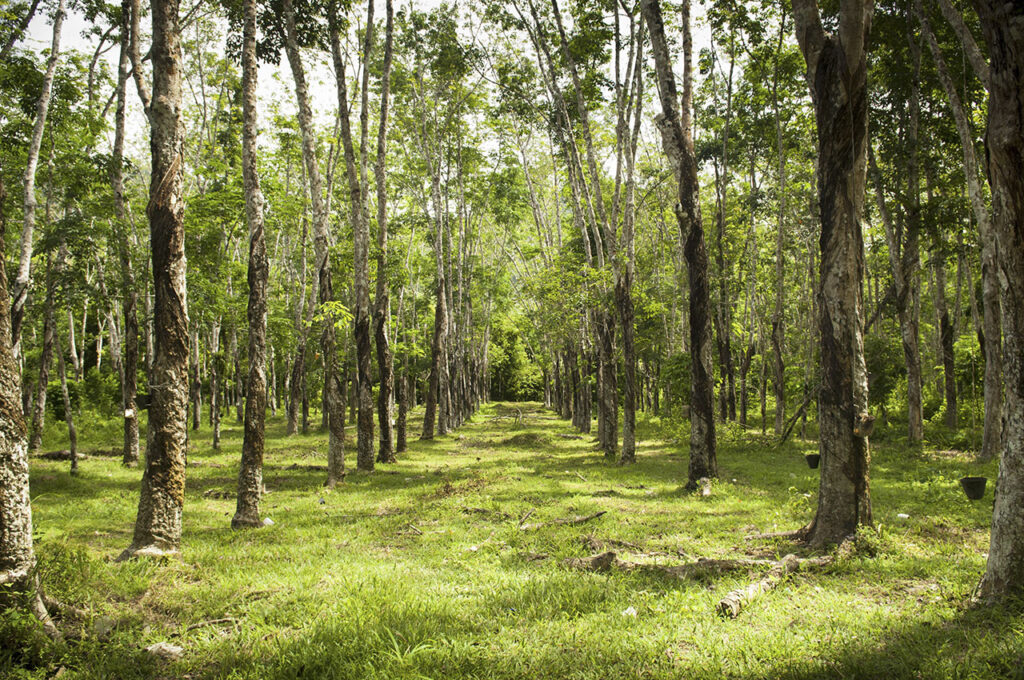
[(434, 567)]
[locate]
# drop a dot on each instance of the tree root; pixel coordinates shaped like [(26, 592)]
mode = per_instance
[(62, 608), (596, 544), (572, 521)]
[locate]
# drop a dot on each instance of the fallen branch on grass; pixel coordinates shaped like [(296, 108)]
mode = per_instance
[(795, 534), (211, 622), (732, 604), (609, 559), (572, 521)]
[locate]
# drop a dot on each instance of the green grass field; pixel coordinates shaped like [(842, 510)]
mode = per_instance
[(424, 569)]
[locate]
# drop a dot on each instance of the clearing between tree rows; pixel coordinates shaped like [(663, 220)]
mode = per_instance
[(461, 560)]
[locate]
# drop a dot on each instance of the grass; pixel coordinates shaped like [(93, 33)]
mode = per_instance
[(420, 569)]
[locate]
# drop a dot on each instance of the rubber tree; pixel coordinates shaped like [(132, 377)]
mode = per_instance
[(1003, 27), (250, 473), (158, 523), (677, 140), (837, 78)]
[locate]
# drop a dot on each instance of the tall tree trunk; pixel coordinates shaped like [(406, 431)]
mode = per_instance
[(677, 139), (1003, 27), (321, 243), (195, 385), (837, 77), (382, 300), (216, 372), (19, 580), (22, 280), (72, 345), (358, 189), (158, 524), (436, 406), (402, 397), (778, 328), (250, 473), (992, 437)]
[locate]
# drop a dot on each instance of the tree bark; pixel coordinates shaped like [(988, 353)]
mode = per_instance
[(1003, 27), (358, 189), (837, 77), (158, 524), (22, 279), (321, 242), (674, 124), (382, 300), (19, 582), (250, 473)]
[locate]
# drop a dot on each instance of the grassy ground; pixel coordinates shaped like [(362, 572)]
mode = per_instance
[(421, 569)]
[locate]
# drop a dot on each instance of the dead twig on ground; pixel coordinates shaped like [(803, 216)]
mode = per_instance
[(570, 521)]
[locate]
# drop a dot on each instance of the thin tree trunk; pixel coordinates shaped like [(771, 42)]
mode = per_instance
[(195, 385), (321, 242), (677, 140), (216, 372), (45, 359), (992, 435), (382, 313), (22, 280), (158, 524), (358, 189), (778, 328), (250, 473), (69, 416)]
